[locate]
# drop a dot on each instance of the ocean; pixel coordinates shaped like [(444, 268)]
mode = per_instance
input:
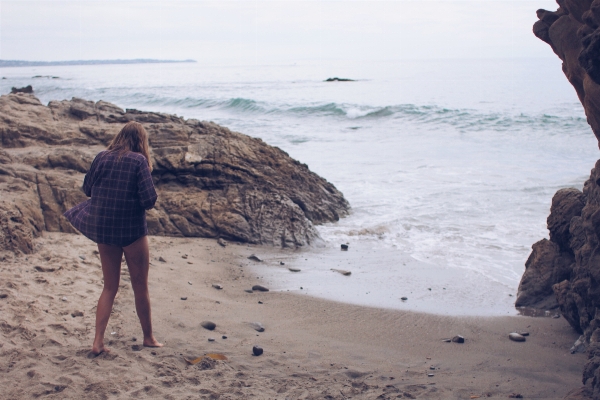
[(452, 163)]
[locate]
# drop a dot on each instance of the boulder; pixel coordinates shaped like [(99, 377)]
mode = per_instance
[(211, 182)]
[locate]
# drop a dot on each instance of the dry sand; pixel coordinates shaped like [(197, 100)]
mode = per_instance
[(313, 349)]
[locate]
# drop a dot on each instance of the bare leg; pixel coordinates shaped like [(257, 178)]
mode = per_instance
[(138, 259), (110, 257)]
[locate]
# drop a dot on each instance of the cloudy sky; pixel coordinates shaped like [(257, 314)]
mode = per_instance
[(268, 32)]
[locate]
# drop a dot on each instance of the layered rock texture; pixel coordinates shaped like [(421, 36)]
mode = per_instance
[(212, 182), (565, 270)]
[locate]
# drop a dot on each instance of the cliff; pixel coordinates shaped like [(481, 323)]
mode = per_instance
[(564, 271), (212, 182)]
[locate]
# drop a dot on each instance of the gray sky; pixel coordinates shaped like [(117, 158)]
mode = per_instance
[(269, 32)]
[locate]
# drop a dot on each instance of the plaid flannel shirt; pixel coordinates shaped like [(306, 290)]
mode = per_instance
[(121, 190)]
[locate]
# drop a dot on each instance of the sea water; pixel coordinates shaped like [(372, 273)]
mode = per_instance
[(449, 162)]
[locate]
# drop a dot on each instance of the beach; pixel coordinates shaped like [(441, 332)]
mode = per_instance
[(313, 348)]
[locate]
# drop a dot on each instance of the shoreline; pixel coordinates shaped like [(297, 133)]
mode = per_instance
[(313, 348)]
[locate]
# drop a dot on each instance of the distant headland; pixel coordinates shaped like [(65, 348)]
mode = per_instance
[(22, 63)]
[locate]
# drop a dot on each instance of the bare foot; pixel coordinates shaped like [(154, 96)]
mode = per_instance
[(152, 342), (97, 350)]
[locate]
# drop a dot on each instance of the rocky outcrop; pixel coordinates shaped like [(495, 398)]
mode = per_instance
[(573, 32), (212, 182)]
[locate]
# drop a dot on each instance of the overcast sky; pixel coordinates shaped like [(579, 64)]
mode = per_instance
[(269, 32)]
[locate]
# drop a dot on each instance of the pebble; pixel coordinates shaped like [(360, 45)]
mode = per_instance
[(134, 339), (447, 340), (217, 286), (210, 339), (184, 256), (342, 271), (136, 347), (222, 242), (344, 247), (254, 258), (189, 283), (260, 302), (260, 288), (458, 339), (64, 298), (161, 259), (430, 375), (224, 337), (153, 353), (257, 351), (294, 269), (208, 325), (257, 326), (281, 263), (556, 316), (77, 314), (432, 368), (403, 298), (82, 257), (514, 336), (248, 291), (523, 333), (3, 295), (184, 298)]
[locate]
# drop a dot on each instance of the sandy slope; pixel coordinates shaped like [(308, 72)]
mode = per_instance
[(312, 348)]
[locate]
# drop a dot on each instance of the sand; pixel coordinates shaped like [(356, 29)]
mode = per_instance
[(313, 348)]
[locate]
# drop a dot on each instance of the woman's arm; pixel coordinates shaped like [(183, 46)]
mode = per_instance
[(146, 190)]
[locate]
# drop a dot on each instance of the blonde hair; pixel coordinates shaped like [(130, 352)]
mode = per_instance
[(133, 137)]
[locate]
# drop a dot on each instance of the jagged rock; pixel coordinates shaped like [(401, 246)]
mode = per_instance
[(573, 32), (25, 89), (211, 182), (545, 266), (566, 204)]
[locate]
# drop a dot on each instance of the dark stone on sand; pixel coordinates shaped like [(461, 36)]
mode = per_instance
[(257, 351), (82, 257), (294, 269), (523, 333), (208, 325), (184, 298), (281, 263), (344, 247), (136, 347), (257, 326), (134, 339), (260, 288), (161, 259), (336, 79), (403, 298), (210, 339), (217, 286), (458, 339), (24, 89), (77, 314), (224, 337), (3, 295), (342, 271), (430, 375), (260, 302), (254, 257)]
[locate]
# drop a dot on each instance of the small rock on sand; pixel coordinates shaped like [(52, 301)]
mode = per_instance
[(136, 347), (217, 286), (210, 339), (257, 326), (3, 295), (342, 271), (556, 316), (161, 259), (458, 339), (403, 298), (294, 269), (185, 256), (82, 257), (64, 298), (248, 291), (281, 263), (254, 257), (77, 313), (344, 247), (222, 242), (514, 336), (208, 325), (447, 340), (224, 337), (523, 333), (430, 375), (260, 288), (184, 298), (257, 351)]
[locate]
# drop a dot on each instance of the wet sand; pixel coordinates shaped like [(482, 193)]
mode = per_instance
[(313, 348)]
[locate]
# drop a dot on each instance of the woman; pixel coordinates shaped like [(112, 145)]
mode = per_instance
[(121, 190)]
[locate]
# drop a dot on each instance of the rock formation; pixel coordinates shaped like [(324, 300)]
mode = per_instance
[(569, 263), (212, 182)]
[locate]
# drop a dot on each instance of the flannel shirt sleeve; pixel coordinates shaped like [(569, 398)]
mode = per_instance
[(88, 181), (146, 190)]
